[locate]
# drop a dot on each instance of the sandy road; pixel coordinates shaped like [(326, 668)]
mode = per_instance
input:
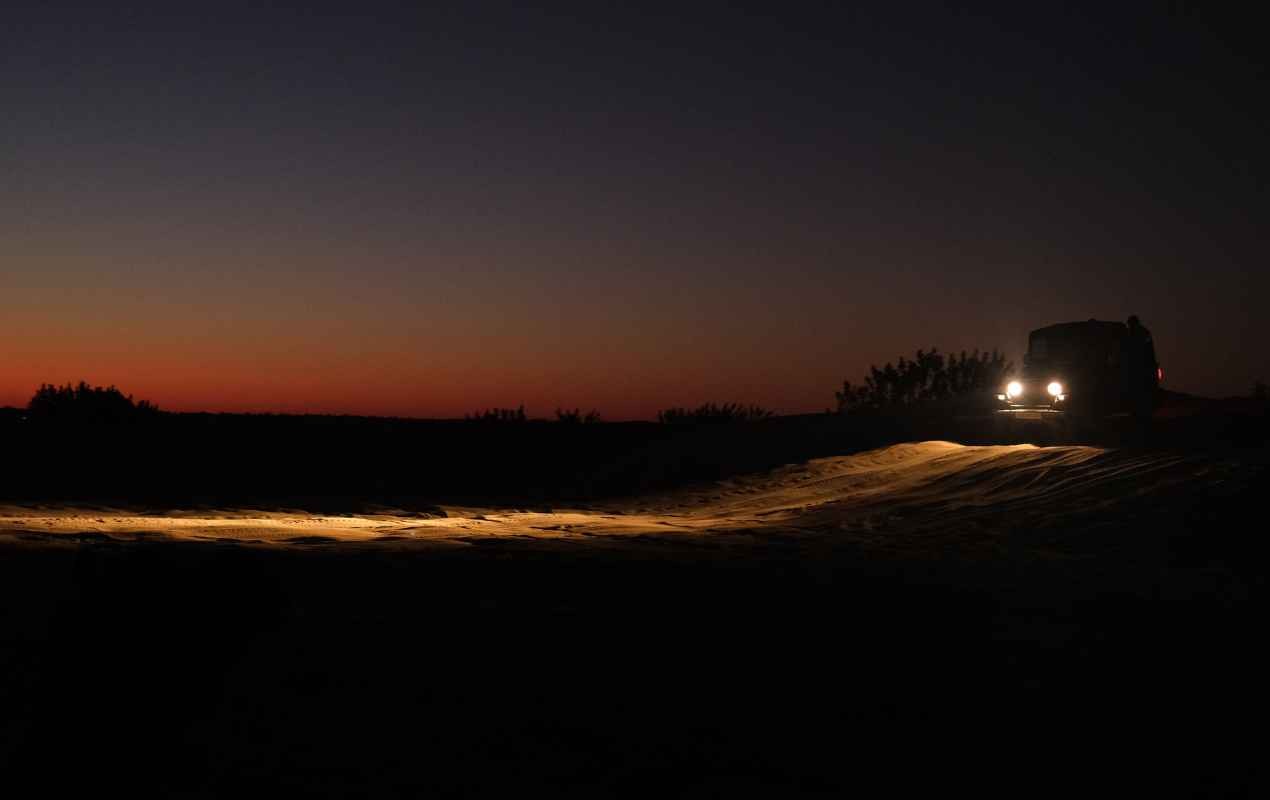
[(892, 497), (777, 619)]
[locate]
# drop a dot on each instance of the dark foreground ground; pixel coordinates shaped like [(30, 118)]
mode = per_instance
[(778, 668)]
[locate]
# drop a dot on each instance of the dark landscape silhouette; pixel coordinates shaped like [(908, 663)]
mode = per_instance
[(252, 618), (605, 400)]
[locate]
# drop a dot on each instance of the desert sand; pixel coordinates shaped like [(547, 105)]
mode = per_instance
[(1024, 620), (907, 496)]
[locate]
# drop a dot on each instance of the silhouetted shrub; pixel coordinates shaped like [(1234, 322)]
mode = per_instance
[(709, 412), (576, 417), (929, 378), (498, 415), (84, 403), (1260, 391)]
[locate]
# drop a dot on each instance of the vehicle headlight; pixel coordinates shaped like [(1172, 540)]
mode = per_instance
[(1055, 388), (1013, 389)]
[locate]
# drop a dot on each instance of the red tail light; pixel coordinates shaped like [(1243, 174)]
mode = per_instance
[(1159, 374)]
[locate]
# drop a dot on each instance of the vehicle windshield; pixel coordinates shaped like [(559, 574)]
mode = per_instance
[(1051, 348)]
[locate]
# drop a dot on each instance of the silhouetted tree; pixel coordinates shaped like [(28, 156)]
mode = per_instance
[(498, 415), (576, 417), (928, 378), (710, 412), (84, 403)]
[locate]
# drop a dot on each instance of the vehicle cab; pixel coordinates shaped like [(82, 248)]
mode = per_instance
[(1090, 369)]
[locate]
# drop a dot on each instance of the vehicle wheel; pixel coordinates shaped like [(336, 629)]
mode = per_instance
[(1143, 411), (1077, 428), (1064, 432)]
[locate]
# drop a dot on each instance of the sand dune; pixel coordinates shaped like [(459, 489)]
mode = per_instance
[(895, 497), (736, 637)]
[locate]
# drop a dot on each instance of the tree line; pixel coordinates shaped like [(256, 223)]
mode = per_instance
[(84, 403), (930, 377)]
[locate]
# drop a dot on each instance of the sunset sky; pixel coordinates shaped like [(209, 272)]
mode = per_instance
[(370, 208)]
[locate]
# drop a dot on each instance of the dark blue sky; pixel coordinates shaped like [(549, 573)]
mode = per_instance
[(407, 209)]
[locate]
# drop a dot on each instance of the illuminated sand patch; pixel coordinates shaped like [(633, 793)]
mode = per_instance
[(873, 496)]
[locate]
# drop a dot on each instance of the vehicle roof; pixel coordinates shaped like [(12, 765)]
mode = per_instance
[(1093, 328)]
